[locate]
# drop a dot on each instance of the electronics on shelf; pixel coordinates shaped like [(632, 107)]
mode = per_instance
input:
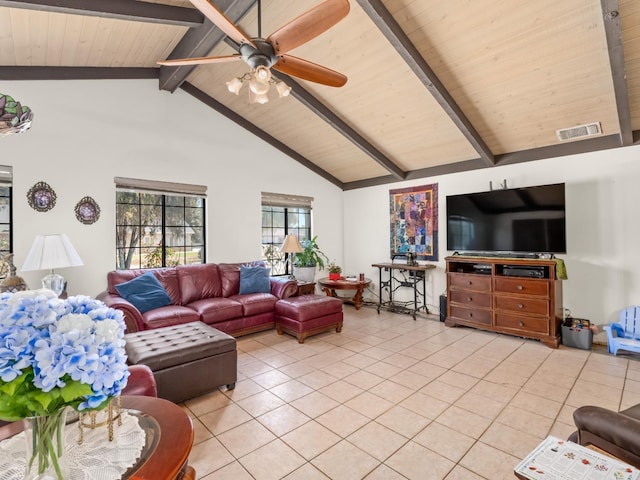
[(530, 271)]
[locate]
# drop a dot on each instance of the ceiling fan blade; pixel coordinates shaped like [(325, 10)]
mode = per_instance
[(212, 12), (199, 60), (300, 68), (308, 25)]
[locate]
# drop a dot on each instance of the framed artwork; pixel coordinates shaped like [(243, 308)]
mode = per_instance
[(41, 197), (413, 215), (87, 211)]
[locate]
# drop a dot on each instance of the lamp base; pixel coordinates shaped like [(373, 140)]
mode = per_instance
[(54, 282)]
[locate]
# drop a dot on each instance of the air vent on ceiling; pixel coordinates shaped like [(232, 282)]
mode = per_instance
[(579, 131)]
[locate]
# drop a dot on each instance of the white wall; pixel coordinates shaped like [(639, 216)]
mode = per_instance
[(603, 200), (85, 133)]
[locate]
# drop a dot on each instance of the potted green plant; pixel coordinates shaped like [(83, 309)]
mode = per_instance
[(334, 271), (306, 262)]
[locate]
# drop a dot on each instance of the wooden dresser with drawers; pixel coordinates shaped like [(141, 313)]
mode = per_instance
[(519, 297)]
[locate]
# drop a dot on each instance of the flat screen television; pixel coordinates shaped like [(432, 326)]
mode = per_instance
[(529, 220)]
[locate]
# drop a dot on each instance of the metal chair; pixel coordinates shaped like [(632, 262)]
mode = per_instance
[(625, 333)]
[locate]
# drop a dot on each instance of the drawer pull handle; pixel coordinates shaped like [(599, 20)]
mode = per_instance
[(520, 324), (470, 282), (519, 287), (520, 305), (470, 315), (470, 299)]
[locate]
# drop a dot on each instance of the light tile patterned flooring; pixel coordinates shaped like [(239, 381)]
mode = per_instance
[(393, 398)]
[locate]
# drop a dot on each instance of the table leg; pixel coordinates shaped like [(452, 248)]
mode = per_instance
[(357, 299), (379, 289), (415, 296), (329, 291)]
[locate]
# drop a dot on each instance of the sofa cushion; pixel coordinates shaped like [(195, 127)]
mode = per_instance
[(199, 281), (212, 310), (144, 292), (254, 280), (168, 277), (167, 316), (230, 276), (245, 325), (255, 303)]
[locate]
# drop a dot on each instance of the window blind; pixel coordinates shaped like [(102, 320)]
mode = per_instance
[(6, 176), (156, 186), (284, 200)]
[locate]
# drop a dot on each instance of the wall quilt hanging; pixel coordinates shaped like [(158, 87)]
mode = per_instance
[(413, 215)]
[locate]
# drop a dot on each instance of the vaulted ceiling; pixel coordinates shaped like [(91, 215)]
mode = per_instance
[(433, 86)]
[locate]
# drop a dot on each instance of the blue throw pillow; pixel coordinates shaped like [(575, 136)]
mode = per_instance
[(254, 280), (144, 292)]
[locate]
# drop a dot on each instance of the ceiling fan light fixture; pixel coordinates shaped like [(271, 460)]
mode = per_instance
[(235, 85), (283, 89), (258, 86), (263, 74), (261, 98)]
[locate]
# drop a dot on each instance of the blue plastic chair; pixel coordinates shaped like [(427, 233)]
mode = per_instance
[(625, 333)]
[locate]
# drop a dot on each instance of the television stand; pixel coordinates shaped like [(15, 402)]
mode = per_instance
[(515, 296)]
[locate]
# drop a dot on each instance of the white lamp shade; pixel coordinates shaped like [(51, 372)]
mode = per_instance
[(51, 251)]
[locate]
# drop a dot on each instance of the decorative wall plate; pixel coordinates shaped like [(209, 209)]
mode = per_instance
[(41, 197), (87, 211)]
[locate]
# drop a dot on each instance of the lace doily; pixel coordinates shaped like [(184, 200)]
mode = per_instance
[(96, 459)]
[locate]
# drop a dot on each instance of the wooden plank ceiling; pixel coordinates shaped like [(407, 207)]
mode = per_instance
[(433, 87)]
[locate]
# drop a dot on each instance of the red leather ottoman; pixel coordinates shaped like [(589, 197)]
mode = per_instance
[(187, 360), (307, 315)]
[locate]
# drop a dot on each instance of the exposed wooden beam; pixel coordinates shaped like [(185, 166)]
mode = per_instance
[(417, 174), (119, 9), (199, 41), (594, 144), (244, 123), (560, 150), (410, 54), (76, 73), (611, 14), (312, 103)]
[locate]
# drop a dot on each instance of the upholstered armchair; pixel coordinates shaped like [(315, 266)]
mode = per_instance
[(617, 433), (141, 382)]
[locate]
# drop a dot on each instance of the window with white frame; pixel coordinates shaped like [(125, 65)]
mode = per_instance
[(159, 224), (283, 215)]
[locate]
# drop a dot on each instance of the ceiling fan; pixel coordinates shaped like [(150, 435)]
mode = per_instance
[(261, 54)]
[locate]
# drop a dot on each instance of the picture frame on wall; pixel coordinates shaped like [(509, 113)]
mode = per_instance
[(87, 211), (41, 197)]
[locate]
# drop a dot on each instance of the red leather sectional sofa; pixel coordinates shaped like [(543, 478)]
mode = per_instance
[(206, 292)]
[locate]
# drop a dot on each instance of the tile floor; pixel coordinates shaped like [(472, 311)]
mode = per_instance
[(393, 398)]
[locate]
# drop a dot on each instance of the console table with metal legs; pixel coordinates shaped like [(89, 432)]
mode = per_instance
[(399, 275)]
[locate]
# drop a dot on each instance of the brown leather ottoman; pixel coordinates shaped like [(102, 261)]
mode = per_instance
[(187, 360), (307, 315)]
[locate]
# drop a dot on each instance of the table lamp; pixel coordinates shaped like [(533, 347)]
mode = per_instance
[(49, 252), (291, 245)]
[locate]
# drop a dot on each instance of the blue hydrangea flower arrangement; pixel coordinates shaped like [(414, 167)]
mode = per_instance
[(56, 353)]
